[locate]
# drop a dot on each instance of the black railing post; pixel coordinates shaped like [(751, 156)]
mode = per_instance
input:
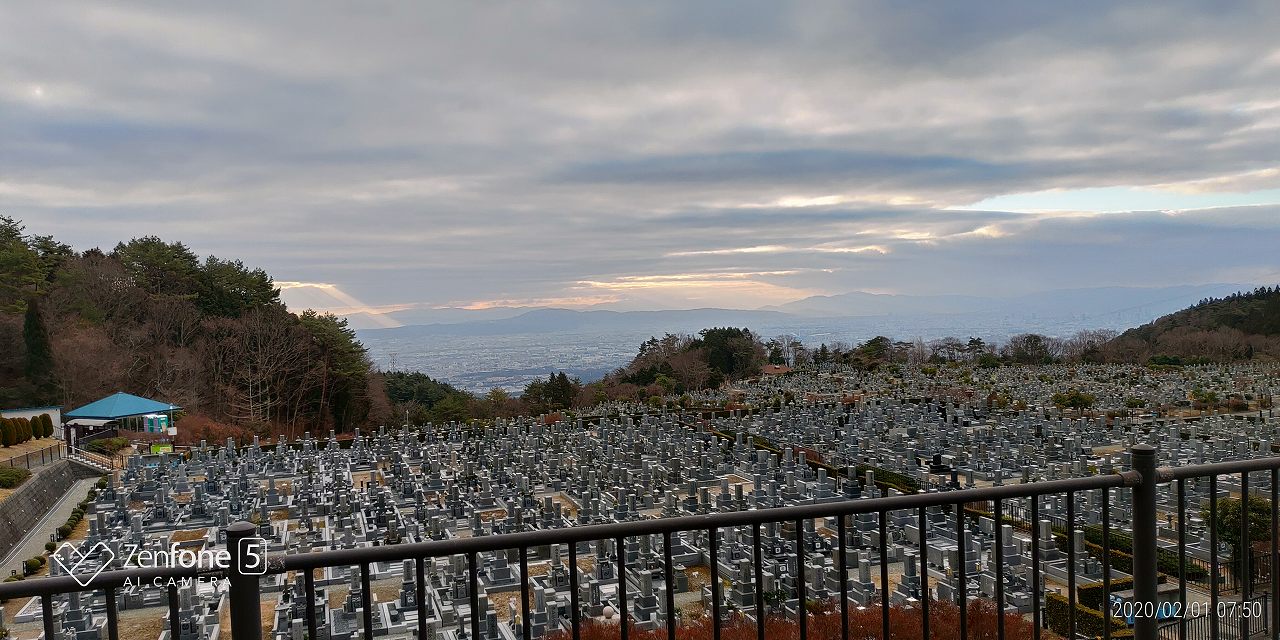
[(1144, 542), (245, 599)]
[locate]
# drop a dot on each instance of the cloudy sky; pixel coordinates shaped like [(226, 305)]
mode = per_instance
[(652, 154)]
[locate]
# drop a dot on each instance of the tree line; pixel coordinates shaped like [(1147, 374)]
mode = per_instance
[(153, 318), (19, 430)]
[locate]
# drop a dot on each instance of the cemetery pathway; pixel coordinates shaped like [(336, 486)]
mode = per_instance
[(33, 543)]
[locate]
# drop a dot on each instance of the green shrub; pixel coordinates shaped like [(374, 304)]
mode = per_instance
[(11, 477), (1092, 595), (102, 482), (31, 566), (64, 531), (8, 432), (1089, 621), (107, 446), (49, 546)]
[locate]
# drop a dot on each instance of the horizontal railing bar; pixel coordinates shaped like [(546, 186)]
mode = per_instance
[(1168, 474), (544, 537)]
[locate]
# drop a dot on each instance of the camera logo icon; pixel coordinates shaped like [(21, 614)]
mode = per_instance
[(253, 556)]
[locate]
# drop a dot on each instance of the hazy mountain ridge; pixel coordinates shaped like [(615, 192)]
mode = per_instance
[(1095, 301), (1140, 303), (550, 320), (508, 352)]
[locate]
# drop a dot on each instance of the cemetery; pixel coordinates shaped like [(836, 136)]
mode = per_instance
[(843, 436)]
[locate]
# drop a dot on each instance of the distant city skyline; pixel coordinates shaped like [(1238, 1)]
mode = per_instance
[(655, 155)]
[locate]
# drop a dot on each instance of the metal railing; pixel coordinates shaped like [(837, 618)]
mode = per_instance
[(41, 457), (104, 461), (1141, 480)]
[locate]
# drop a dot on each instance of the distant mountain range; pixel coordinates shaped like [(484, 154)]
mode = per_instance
[(1114, 307), (506, 347), (591, 321), (1075, 303)]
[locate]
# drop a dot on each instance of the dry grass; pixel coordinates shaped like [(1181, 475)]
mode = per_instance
[(279, 514), (224, 620), (699, 576), (188, 535), (692, 611), (145, 626), (385, 591), (32, 446), (12, 607), (337, 594), (503, 601), (567, 507), (492, 514), (268, 613)]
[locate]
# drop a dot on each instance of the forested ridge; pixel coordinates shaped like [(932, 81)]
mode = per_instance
[(152, 318), (1240, 326)]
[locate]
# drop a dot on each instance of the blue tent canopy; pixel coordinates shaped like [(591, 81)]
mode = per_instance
[(120, 405)]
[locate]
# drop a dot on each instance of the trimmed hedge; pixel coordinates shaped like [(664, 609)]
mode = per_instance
[(1089, 621), (1093, 595), (77, 514)]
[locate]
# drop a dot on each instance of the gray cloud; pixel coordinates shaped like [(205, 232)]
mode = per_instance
[(508, 151)]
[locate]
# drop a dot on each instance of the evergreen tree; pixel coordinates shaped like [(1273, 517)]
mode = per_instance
[(19, 267), (7, 432), (39, 364)]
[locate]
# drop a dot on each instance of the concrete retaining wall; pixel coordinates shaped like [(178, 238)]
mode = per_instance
[(29, 503)]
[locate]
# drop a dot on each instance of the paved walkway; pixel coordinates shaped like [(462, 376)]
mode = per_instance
[(33, 543)]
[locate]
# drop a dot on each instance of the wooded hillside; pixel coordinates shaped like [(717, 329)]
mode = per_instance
[(1240, 326), (152, 318)]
